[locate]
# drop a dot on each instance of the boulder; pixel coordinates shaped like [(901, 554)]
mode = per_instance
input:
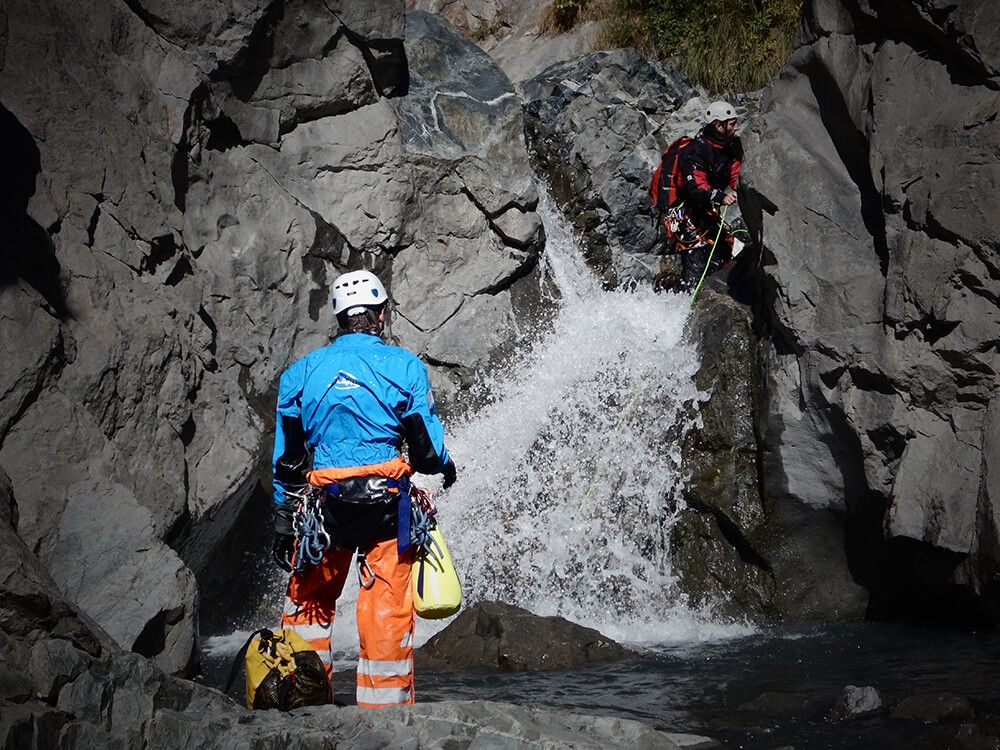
[(933, 708), (499, 636), (876, 302), (858, 703)]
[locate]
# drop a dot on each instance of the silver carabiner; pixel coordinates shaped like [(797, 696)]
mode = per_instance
[(365, 568)]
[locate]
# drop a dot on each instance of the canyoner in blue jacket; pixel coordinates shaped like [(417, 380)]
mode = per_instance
[(344, 412), (351, 404)]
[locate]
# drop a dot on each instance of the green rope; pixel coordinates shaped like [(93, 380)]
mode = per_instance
[(711, 252)]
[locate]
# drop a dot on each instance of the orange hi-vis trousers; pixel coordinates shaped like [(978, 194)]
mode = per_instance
[(385, 618)]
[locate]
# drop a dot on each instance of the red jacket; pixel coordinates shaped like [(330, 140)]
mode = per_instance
[(708, 166)]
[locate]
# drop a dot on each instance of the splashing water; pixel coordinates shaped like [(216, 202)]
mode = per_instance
[(570, 476)]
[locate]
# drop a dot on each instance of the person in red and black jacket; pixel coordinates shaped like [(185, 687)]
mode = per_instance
[(709, 169)]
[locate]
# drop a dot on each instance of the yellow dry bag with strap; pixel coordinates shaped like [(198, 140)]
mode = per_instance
[(437, 592), (283, 671)]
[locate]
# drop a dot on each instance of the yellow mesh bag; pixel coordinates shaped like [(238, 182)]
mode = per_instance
[(282, 671)]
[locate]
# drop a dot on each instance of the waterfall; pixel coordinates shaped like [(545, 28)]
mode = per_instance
[(570, 476)]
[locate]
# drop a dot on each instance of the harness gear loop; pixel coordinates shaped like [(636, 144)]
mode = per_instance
[(312, 539), (366, 576)]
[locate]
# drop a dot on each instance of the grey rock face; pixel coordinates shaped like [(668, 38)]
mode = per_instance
[(470, 238), (514, 32), (878, 298), (597, 126), (778, 704), (147, 430), (504, 637), (185, 183)]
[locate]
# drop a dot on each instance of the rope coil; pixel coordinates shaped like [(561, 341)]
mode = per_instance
[(422, 522), (312, 539)]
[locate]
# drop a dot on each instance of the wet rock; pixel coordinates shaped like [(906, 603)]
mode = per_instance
[(597, 126), (504, 637), (932, 708), (977, 736), (694, 742), (857, 703), (720, 543), (877, 304)]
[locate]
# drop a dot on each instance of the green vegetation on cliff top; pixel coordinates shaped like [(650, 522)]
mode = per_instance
[(723, 45)]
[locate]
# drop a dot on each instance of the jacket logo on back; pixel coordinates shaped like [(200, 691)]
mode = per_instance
[(345, 382)]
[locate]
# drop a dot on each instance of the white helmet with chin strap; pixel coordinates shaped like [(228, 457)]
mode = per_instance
[(357, 291), (719, 111)]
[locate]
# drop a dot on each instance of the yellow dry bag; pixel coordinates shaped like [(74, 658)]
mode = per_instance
[(283, 671), (437, 592)]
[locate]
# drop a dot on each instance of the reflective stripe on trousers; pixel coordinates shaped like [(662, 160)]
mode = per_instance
[(385, 619), (385, 629)]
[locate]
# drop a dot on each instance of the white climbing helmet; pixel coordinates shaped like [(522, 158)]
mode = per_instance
[(719, 110), (356, 291)]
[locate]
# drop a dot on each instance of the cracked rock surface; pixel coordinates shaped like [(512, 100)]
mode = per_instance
[(469, 247), (872, 171), (184, 183)]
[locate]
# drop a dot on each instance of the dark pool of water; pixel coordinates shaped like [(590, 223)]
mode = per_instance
[(705, 688)]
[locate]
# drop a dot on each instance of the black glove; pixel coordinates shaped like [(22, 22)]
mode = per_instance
[(282, 551), (450, 473), (284, 538)]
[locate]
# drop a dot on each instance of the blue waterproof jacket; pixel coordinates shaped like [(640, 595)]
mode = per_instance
[(352, 403)]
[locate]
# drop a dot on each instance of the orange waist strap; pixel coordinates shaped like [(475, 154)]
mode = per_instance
[(397, 468)]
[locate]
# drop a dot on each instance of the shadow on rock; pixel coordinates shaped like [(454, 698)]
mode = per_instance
[(26, 250)]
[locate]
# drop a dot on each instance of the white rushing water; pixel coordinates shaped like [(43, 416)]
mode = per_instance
[(570, 476)]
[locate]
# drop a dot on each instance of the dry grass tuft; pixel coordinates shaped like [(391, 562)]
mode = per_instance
[(723, 45)]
